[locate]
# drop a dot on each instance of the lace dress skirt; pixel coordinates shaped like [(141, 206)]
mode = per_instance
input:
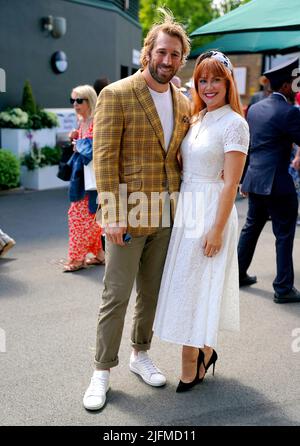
[(199, 295)]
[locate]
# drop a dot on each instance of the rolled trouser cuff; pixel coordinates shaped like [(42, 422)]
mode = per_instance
[(105, 365), (140, 347)]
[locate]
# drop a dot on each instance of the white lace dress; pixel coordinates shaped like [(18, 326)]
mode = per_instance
[(200, 294)]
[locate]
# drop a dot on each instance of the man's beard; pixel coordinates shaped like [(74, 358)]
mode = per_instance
[(157, 78)]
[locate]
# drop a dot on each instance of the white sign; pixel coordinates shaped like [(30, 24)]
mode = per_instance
[(240, 74), (136, 57), (67, 122), (2, 81), (2, 341), (66, 117)]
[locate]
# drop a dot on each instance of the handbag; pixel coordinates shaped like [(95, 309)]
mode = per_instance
[(89, 177), (64, 169)]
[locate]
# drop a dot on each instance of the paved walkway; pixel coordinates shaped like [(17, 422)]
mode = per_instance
[(49, 320)]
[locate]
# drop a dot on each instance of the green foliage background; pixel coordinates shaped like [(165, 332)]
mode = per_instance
[(191, 13), (28, 101), (9, 170)]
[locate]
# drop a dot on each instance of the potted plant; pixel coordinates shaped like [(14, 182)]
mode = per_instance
[(9, 170), (21, 127), (39, 168)]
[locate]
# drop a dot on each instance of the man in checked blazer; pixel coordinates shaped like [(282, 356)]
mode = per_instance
[(139, 124)]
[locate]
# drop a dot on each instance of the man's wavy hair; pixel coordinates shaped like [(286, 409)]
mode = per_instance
[(169, 26)]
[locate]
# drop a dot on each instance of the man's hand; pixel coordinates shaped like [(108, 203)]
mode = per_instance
[(296, 163), (243, 194), (114, 233)]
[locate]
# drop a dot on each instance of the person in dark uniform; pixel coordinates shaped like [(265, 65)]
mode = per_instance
[(274, 126)]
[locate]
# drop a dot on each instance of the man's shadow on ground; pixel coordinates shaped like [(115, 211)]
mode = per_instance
[(215, 402)]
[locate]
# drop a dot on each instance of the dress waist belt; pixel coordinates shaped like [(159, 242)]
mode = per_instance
[(188, 179)]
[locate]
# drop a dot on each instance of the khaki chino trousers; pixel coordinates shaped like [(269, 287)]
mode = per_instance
[(142, 259)]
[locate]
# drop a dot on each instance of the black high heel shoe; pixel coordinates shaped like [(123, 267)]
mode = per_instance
[(183, 387), (212, 360)]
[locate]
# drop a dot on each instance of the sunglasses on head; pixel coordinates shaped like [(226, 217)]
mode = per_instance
[(78, 100)]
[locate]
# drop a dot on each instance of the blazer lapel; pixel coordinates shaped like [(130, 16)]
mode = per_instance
[(144, 97), (175, 97)]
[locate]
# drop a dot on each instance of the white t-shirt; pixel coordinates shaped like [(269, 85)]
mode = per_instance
[(164, 107)]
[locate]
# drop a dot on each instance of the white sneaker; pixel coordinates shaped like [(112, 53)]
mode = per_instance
[(95, 396), (10, 244), (143, 366)]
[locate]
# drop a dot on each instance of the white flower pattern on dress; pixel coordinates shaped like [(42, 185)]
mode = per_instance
[(199, 294)]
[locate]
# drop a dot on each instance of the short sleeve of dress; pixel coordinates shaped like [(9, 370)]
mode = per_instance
[(236, 136)]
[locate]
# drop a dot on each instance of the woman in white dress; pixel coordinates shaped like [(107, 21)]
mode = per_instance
[(199, 291)]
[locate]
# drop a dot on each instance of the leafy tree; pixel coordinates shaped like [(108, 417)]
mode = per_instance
[(224, 6), (191, 13), (28, 101)]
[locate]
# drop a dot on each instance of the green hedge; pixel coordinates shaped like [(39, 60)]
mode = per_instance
[(9, 170)]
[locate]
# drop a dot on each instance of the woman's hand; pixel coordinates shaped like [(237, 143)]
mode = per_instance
[(212, 242), (73, 135), (74, 145)]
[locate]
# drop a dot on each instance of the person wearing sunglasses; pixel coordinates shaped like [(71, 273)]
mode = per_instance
[(78, 101), (84, 232)]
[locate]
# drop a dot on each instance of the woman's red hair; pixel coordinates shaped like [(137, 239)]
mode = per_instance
[(206, 65)]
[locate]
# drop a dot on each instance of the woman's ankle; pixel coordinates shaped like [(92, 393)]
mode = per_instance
[(100, 255), (206, 349), (75, 262), (189, 363), (189, 353)]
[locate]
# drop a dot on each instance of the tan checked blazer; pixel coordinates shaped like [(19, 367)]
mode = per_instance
[(128, 149)]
